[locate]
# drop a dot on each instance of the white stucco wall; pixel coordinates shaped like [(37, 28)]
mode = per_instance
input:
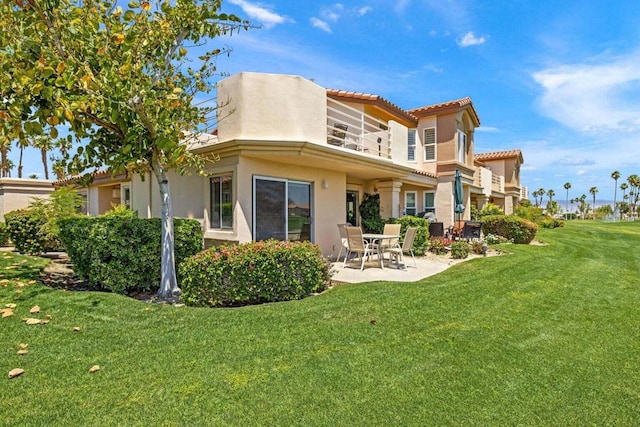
[(271, 107), (17, 193)]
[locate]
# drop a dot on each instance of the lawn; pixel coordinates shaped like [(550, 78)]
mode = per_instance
[(544, 335)]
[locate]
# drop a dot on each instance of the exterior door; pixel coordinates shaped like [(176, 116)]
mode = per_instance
[(352, 207)]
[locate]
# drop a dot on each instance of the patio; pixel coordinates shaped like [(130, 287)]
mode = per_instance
[(427, 265)]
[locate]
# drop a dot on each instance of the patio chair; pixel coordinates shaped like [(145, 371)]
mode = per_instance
[(344, 244), (389, 243), (397, 252), (339, 133), (357, 245)]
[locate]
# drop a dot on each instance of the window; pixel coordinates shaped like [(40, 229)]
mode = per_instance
[(462, 146), (410, 202), (125, 195), (411, 145), (429, 144), (281, 209), (429, 201), (221, 212)]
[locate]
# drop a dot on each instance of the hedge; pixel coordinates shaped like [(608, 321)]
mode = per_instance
[(123, 254), (4, 234), (253, 273), (28, 232), (421, 242), (514, 228)]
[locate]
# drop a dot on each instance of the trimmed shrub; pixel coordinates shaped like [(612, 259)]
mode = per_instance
[(253, 273), (421, 242), (514, 228), (123, 254), (459, 250), (4, 234), (551, 223), (27, 231)]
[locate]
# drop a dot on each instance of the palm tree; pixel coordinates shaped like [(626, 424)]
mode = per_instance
[(624, 187), (535, 197), (550, 194), (22, 143), (615, 175), (541, 193), (45, 144), (5, 146), (567, 186), (634, 183), (593, 191)]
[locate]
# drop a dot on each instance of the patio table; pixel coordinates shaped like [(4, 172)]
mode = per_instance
[(372, 238)]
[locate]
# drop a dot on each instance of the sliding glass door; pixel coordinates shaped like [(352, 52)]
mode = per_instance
[(281, 209)]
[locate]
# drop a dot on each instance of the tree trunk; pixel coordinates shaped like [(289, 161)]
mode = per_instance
[(20, 163), (169, 289), (43, 152), (3, 162)]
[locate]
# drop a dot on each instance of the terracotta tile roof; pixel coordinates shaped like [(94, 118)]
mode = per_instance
[(499, 155), (370, 99), (455, 105), (104, 174), (424, 173)]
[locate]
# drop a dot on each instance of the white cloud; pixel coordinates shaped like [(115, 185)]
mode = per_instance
[(260, 13), (487, 129), (470, 39), (593, 97), (364, 10), (320, 24)]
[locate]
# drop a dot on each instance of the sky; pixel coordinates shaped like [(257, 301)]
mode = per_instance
[(559, 80)]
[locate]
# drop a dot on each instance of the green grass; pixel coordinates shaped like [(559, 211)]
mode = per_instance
[(544, 335)]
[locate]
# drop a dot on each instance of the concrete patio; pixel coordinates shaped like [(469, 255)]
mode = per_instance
[(426, 266)]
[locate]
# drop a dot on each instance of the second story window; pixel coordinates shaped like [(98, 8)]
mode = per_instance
[(429, 144), (462, 146), (411, 145)]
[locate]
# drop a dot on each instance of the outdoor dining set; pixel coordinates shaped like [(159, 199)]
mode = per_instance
[(366, 245)]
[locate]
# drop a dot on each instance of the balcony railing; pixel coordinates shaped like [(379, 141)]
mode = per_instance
[(497, 183), (351, 128)]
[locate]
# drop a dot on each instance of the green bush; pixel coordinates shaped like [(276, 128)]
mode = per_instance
[(253, 273), (476, 247), (512, 227), (439, 245), (27, 231), (459, 250), (123, 254), (370, 217), (421, 241), (35, 230), (4, 234), (551, 223)]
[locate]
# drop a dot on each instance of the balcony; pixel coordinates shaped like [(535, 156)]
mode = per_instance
[(489, 181), (353, 129)]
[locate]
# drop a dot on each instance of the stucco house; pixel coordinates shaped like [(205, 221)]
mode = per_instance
[(18, 193), (498, 174), (295, 160)]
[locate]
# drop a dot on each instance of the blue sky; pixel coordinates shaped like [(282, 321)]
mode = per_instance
[(558, 79)]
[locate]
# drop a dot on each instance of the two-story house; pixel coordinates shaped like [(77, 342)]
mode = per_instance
[(295, 159), (498, 179)]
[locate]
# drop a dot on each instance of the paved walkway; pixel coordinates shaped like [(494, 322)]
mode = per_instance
[(427, 265)]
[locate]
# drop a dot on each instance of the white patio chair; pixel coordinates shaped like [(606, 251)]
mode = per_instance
[(357, 245), (397, 252), (343, 240)]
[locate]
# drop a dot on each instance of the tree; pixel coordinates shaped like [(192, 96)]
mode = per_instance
[(121, 79), (44, 144), (634, 192), (593, 191), (567, 186), (535, 196), (583, 207), (541, 194), (22, 144), (615, 175), (550, 194)]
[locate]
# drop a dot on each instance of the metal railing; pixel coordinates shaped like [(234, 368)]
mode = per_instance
[(353, 129)]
